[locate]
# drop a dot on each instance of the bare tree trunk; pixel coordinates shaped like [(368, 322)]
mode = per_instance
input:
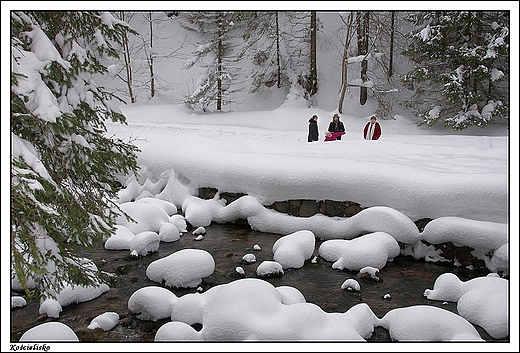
[(344, 64), (392, 30), (128, 67), (279, 68), (314, 72), (152, 77), (363, 50), (219, 76)]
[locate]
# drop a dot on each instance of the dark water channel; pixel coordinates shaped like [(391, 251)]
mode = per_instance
[(404, 279)]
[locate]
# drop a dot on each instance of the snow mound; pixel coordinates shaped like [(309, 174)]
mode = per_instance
[(252, 309), (184, 268), (151, 303), (50, 332), (292, 250), (370, 250), (269, 269), (17, 302), (477, 234), (428, 323), (482, 301), (146, 217), (106, 321), (144, 243), (290, 295), (176, 331), (351, 284), (169, 233), (120, 240), (249, 258)]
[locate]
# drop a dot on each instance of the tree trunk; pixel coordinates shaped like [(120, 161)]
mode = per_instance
[(392, 30), (314, 72), (344, 65), (363, 50), (152, 78), (279, 68), (128, 67)]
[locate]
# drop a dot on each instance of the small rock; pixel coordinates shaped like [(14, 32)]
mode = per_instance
[(199, 230), (314, 260), (199, 238), (200, 289), (257, 247), (240, 271), (387, 297), (249, 258)]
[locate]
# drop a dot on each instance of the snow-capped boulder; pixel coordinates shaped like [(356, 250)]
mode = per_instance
[(351, 284), (151, 303), (269, 269), (179, 221), (428, 323), (146, 217), (120, 240), (249, 258), (290, 295), (106, 321), (252, 309), (50, 332), (482, 301), (184, 268), (169, 233), (291, 251), (17, 302), (145, 242), (373, 250), (176, 331)]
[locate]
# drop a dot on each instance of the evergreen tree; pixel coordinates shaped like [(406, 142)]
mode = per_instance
[(217, 29), (63, 165), (263, 37), (461, 67)]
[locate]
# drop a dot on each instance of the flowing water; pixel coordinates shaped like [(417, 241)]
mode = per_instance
[(404, 279)]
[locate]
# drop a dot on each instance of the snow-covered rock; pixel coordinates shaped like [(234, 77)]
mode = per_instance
[(252, 309), (291, 251), (144, 243), (482, 301), (176, 331), (269, 269), (169, 233), (249, 258), (120, 240), (184, 268), (199, 230), (106, 321), (147, 217), (370, 250), (428, 323), (290, 295), (50, 332), (17, 302), (151, 303), (351, 284)]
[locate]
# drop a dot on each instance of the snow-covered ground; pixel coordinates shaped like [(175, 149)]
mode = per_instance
[(466, 181)]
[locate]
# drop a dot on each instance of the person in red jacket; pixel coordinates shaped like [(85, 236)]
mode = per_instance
[(372, 130)]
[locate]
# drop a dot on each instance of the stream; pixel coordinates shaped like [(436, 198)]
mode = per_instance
[(404, 279)]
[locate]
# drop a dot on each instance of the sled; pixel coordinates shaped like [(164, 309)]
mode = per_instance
[(331, 136)]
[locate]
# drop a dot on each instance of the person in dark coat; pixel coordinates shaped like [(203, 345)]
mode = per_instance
[(372, 130), (313, 129), (336, 126)]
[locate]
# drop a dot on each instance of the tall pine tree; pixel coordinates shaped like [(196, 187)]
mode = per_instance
[(215, 54), (63, 164), (461, 67)]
